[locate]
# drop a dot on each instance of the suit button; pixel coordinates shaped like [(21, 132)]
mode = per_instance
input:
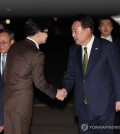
[(84, 81)]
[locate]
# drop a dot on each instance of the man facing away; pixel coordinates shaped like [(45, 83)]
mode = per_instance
[(6, 40), (94, 71), (25, 65)]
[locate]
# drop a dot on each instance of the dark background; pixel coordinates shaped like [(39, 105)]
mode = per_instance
[(56, 49), (59, 39), (58, 7), (56, 118)]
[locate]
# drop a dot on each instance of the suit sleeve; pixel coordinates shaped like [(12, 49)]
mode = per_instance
[(114, 64), (39, 78), (68, 80)]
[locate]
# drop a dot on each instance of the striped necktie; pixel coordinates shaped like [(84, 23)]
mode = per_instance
[(2, 67), (85, 61), (3, 62)]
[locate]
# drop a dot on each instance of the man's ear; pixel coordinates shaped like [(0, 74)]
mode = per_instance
[(112, 27), (12, 42), (99, 28), (88, 30), (39, 34)]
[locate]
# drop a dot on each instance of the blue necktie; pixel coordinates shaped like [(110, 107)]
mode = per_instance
[(3, 62), (3, 56)]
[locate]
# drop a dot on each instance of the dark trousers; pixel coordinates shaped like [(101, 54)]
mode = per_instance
[(89, 123)]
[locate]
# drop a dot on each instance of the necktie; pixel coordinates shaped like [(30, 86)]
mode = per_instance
[(85, 60), (3, 62), (85, 63)]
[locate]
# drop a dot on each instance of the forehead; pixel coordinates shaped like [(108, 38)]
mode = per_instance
[(106, 21), (76, 25), (4, 35)]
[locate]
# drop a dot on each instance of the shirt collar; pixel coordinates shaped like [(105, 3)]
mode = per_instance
[(89, 45), (3, 54), (34, 42), (108, 38)]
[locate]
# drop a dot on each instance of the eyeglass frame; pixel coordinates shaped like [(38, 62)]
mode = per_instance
[(4, 42)]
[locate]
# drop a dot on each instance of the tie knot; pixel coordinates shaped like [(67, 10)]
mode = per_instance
[(4, 55), (85, 49)]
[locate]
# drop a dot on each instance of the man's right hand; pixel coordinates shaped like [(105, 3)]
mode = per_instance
[(61, 94), (1, 128)]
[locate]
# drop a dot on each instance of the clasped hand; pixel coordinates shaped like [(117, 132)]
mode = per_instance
[(61, 94)]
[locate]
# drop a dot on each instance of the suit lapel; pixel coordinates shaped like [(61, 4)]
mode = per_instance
[(93, 54), (79, 56)]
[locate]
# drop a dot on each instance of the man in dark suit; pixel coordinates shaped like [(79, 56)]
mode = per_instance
[(24, 66), (106, 28), (6, 40), (94, 72)]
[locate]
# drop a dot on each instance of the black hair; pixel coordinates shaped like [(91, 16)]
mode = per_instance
[(105, 18), (33, 26), (85, 20)]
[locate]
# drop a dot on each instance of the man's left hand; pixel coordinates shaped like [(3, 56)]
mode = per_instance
[(117, 107)]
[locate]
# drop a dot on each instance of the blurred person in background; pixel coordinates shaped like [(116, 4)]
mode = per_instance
[(106, 30), (6, 40)]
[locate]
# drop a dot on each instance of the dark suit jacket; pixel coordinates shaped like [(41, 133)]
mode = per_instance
[(24, 66), (117, 42), (102, 82), (1, 89)]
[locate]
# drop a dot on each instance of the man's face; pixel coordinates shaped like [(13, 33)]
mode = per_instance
[(42, 36), (79, 34), (105, 27), (5, 42)]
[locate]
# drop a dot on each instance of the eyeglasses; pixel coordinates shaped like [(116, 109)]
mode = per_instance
[(4, 42), (45, 31)]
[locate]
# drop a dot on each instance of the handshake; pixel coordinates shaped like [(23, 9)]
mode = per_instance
[(61, 94)]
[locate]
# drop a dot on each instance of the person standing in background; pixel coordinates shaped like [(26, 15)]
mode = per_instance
[(6, 40), (106, 28)]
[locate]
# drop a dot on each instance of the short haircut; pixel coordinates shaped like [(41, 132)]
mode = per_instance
[(86, 21), (9, 32), (33, 26), (105, 18)]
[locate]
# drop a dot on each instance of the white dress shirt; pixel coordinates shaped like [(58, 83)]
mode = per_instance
[(89, 46), (1, 66), (34, 42), (108, 38)]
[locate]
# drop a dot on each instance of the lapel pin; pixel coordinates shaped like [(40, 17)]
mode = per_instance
[(96, 48)]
